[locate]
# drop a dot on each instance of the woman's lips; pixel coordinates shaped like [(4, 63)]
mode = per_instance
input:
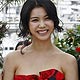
[(42, 32)]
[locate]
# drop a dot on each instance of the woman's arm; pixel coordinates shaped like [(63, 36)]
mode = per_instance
[(8, 68), (70, 68)]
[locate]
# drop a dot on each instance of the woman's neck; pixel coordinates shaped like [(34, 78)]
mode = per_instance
[(39, 45)]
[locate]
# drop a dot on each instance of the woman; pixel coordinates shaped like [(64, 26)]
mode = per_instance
[(41, 60)]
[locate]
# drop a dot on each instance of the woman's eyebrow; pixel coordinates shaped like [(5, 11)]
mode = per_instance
[(33, 17), (37, 16), (46, 16)]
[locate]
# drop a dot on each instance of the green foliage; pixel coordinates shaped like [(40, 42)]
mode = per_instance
[(70, 41), (2, 29), (2, 34)]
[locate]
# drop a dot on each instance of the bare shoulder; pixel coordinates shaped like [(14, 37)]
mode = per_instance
[(12, 54), (65, 56), (11, 57), (68, 57), (10, 64), (16, 56), (69, 65)]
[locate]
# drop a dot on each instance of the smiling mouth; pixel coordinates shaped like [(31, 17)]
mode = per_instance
[(42, 32)]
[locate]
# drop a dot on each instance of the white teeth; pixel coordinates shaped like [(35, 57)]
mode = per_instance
[(41, 32)]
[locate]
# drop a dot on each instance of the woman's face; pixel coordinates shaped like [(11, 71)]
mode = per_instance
[(40, 25)]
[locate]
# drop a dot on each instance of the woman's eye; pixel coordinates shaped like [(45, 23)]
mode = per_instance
[(47, 18), (34, 20)]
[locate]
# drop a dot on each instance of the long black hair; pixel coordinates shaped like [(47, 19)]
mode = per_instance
[(27, 7)]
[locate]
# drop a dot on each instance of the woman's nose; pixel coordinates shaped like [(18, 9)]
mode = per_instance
[(42, 24)]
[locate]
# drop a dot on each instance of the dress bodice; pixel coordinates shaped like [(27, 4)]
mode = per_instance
[(51, 74)]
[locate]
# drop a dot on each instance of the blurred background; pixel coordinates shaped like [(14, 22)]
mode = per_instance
[(67, 40)]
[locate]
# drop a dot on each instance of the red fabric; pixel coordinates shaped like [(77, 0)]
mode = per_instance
[(77, 49), (51, 74)]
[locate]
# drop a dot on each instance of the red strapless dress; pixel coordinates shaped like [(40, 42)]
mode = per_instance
[(51, 74)]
